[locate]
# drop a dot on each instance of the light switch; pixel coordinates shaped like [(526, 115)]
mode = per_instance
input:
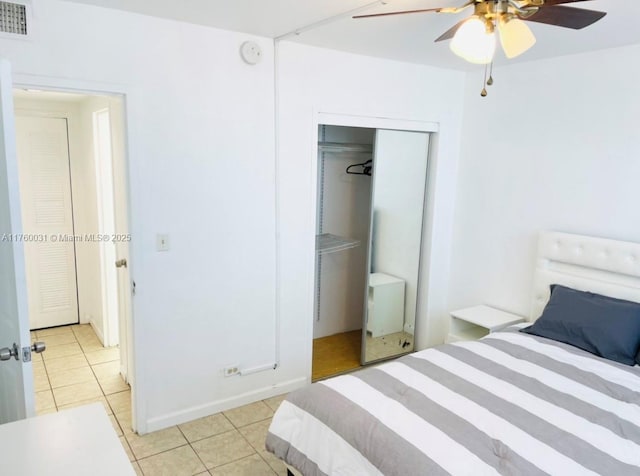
[(162, 242)]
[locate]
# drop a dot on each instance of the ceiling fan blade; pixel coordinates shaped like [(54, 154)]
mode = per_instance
[(447, 35), (398, 13), (568, 17)]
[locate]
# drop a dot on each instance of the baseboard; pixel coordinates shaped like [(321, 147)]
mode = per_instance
[(193, 413), (98, 332)]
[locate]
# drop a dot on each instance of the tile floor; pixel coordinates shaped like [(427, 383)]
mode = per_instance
[(76, 370)]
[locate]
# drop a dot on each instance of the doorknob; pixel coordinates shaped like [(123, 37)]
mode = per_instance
[(121, 263), (38, 347), (7, 352)]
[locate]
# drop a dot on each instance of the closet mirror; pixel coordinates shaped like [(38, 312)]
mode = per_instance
[(370, 207), (397, 213)]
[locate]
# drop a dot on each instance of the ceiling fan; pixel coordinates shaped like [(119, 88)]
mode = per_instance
[(474, 38)]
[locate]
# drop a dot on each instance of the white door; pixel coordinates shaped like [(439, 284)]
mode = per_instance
[(47, 220), (16, 376), (400, 183), (122, 236), (106, 219)]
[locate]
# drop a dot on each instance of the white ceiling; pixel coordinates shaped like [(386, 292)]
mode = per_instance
[(404, 38)]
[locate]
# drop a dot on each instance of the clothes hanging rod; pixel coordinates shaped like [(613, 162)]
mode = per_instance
[(345, 147)]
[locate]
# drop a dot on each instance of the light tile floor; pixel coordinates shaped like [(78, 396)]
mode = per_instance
[(76, 370)]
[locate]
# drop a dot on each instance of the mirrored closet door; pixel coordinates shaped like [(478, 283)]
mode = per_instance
[(397, 213), (371, 194)]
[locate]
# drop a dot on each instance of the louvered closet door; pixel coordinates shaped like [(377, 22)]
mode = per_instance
[(45, 191)]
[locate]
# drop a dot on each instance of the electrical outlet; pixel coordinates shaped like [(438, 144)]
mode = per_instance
[(231, 370)]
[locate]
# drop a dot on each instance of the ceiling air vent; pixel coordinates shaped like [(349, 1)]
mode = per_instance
[(13, 18)]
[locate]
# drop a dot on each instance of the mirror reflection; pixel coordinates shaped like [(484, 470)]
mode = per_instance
[(397, 204)]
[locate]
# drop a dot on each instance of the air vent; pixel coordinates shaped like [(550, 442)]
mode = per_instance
[(13, 18)]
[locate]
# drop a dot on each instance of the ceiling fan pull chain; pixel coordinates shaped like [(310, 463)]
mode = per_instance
[(483, 93), (490, 80)]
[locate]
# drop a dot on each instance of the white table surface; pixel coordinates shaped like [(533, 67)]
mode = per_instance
[(75, 442)]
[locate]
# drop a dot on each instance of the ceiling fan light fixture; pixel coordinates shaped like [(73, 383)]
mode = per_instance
[(474, 41), (515, 36)]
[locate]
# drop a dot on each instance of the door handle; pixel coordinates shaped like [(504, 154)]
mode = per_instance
[(38, 347), (7, 352), (121, 263)]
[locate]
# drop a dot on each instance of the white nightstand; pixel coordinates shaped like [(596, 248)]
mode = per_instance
[(475, 322)]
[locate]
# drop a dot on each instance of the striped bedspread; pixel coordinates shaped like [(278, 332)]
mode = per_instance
[(510, 404)]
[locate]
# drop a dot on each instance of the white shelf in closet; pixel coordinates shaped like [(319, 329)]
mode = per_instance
[(343, 147), (328, 243)]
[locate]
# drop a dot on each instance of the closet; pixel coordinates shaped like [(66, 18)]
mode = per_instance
[(369, 219)]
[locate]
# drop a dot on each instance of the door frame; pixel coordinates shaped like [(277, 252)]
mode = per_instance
[(346, 119), (51, 83)]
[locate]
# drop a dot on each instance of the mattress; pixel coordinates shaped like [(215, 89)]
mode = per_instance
[(511, 404)]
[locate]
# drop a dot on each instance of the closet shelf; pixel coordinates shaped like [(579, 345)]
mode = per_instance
[(338, 147), (328, 243)]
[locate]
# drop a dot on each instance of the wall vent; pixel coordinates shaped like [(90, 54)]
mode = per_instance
[(13, 18)]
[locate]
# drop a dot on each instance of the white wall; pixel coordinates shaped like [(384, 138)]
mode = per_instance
[(104, 281), (201, 169), (553, 147), (90, 299), (317, 80), (201, 163)]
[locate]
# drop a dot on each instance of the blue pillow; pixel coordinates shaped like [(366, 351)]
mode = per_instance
[(602, 325)]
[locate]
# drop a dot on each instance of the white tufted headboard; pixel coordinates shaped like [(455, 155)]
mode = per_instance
[(602, 266)]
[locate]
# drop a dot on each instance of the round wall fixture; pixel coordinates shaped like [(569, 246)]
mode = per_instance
[(251, 52)]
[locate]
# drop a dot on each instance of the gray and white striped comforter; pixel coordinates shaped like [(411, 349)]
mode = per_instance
[(509, 404)]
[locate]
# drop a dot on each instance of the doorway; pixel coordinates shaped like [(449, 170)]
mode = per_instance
[(370, 224), (70, 153), (345, 158)]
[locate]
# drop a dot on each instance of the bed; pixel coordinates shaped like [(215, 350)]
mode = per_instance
[(511, 403)]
